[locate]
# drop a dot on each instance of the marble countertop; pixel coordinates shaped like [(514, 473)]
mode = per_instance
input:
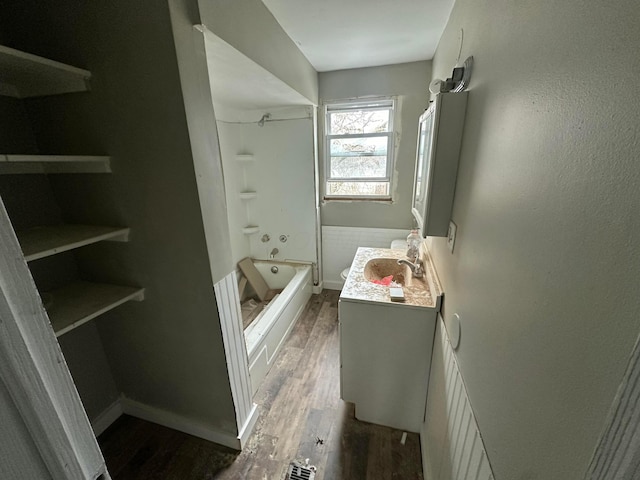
[(424, 294)]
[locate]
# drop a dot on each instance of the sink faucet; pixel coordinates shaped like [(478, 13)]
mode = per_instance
[(273, 253), (416, 268)]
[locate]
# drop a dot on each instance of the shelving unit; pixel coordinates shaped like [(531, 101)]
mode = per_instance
[(77, 303), (42, 242), (25, 75), (244, 157), (248, 195), (51, 164)]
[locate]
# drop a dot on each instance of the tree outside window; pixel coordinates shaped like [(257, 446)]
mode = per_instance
[(358, 147)]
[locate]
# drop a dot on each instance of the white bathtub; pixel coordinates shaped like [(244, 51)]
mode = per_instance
[(267, 332)]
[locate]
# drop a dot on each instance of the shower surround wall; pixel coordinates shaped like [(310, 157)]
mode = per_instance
[(281, 173)]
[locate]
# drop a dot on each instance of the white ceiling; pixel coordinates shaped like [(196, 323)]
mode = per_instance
[(341, 34)]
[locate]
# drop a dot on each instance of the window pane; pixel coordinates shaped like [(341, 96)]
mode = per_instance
[(359, 121), (358, 167), (353, 189), (357, 147)]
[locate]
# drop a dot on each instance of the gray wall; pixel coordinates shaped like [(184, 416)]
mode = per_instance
[(250, 27), (167, 351), (15, 131), (89, 367), (545, 268), (410, 81)]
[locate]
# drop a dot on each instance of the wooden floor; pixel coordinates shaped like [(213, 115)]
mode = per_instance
[(301, 417)]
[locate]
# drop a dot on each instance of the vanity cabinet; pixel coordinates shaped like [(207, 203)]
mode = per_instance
[(385, 346), (385, 356)]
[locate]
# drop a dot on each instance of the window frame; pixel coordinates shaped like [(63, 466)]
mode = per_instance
[(358, 104)]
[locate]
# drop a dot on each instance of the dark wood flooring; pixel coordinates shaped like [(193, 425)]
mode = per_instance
[(301, 417)]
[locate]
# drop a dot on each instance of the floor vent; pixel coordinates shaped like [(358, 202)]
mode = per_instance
[(300, 472)]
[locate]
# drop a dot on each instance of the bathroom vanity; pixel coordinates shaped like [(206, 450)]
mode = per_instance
[(385, 346)]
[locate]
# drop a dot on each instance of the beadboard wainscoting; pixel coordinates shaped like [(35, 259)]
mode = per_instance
[(616, 455), (452, 447), (339, 245), (235, 348)]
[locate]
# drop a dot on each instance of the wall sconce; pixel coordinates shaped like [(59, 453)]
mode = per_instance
[(458, 82)]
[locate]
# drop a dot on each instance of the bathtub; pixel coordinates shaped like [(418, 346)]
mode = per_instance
[(267, 332)]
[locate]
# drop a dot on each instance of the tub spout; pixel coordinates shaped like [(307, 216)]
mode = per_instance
[(273, 253)]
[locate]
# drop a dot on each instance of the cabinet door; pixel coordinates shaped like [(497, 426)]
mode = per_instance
[(385, 356)]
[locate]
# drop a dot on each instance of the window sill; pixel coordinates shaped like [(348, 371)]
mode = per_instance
[(358, 199)]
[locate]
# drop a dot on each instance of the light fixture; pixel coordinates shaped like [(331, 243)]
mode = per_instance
[(458, 82)]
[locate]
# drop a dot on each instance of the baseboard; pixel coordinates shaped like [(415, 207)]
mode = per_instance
[(247, 428), (317, 288), (107, 417), (333, 285), (180, 423)]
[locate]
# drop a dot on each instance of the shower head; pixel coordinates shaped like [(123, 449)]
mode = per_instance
[(264, 118)]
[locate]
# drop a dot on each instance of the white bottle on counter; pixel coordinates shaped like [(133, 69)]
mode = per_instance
[(413, 244)]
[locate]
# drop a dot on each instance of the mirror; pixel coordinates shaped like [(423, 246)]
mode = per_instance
[(439, 141)]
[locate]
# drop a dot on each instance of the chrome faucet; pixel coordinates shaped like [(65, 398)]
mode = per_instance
[(416, 268), (273, 253)]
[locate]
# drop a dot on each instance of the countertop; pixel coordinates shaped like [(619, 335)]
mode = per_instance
[(427, 294)]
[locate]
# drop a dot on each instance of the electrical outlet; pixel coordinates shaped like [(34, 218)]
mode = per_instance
[(451, 236)]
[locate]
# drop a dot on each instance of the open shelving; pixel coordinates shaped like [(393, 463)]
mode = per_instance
[(26, 75), (244, 157), (248, 195), (45, 164), (77, 303), (40, 242)]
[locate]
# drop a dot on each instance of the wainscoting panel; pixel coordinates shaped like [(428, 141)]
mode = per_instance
[(235, 348), (616, 456), (452, 447), (339, 245)]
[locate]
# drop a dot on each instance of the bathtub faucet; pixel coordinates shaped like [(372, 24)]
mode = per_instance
[(273, 253)]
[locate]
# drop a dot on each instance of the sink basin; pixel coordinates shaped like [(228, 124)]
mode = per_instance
[(375, 264), (378, 268)]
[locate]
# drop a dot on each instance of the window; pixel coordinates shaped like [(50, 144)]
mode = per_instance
[(358, 151)]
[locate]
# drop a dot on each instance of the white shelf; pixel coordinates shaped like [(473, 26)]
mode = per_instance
[(26, 75), (24, 164), (250, 230), (42, 242), (79, 302), (248, 195), (242, 157)]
